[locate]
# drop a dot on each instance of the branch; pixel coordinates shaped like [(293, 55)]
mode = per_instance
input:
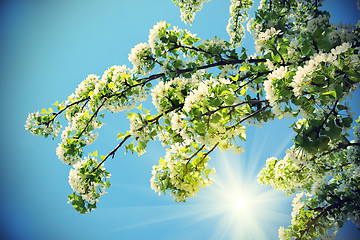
[(92, 117), (206, 154), (339, 147), (233, 106), (66, 107), (259, 74), (112, 152), (221, 63), (282, 59), (177, 45), (107, 156), (192, 156), (249, 116), (324, 211)]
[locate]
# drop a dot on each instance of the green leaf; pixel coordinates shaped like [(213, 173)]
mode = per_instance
[(353, 75), (243, 67), (95, 153), (214, 102), (277, 58), (207, 172), (229, 100), (235, 78), (341, 224), (283, 49), (332, 93), (201, 128), (347, 121), (324, 43), (341, 107), (225, 92), (173, 38), (215, 118)]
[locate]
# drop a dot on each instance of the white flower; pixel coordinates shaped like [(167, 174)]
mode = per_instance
[(196, 95), (154, 33), (341, 48), (238, 150), (89, 191), (297, 205), (264, 36), (188, 8), (282, 233), (314, 23), (318, 185), (137, 54)]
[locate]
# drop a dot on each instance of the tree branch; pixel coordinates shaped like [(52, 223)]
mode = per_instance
[(112, 152), (206, 154)]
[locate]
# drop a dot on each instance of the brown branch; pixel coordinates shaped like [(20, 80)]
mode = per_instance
[(324, 211), (206, 154), (233, 106), (249, 116), (66, 107), (92, 117), (339, 147), (112, 152), (192, 156)]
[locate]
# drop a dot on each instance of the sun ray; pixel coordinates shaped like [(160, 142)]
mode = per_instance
[(236, 205)]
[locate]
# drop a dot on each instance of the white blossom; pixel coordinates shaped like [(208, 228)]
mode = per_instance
[(136, 57), (154, 34)]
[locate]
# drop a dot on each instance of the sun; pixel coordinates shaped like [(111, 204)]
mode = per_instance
[(241, 203), (235, 207), (245, 209)]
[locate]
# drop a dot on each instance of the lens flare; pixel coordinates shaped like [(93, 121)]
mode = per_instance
[(245, 209)]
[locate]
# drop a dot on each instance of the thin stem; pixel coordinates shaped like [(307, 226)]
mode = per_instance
[(66, 107), (192, 156), (206, 154), (233, 106), (92, 117), (112, 152), (324, 211), (249, 116)]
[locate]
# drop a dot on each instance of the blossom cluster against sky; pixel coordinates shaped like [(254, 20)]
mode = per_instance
[(47, 49)]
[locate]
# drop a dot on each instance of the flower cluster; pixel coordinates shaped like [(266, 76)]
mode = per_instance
[(154, 33), (188, 9), (69, 150), (262, 39), (180, 173), (303, 76), (238, 13), (42, 125), (138, 56), (318, 177), (274, 79), (88, 180)]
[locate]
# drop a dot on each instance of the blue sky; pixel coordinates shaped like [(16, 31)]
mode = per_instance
[(47, 48)]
